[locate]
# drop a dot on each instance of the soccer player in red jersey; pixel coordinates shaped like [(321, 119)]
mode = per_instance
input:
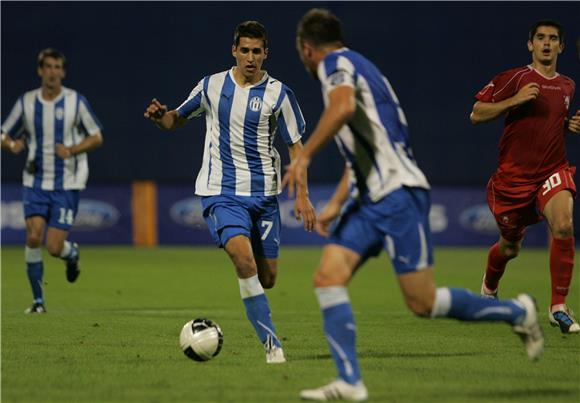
[(534, 179)]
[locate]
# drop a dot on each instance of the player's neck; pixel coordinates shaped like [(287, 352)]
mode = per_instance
[(50, 94), (244, 81), (545, 70)]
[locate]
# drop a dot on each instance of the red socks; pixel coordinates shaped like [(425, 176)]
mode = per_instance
[(496, 263), (561, 265)]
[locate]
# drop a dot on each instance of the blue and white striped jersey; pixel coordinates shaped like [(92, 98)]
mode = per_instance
[(66, 120), (375, 143), (239, 157)]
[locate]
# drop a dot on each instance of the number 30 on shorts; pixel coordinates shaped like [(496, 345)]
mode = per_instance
[(552, 182), (66, 216)]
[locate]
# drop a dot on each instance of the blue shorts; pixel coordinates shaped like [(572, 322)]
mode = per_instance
[(256, 217), (398, 223), (58, 207)]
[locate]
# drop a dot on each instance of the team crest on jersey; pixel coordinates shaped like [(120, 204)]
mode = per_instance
[(567, 101), (59, 113), (255, 104)]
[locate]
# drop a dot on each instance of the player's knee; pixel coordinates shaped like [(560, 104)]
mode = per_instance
[(419, 305), (510, 251), (54, 248), (562, 229), (33, 240), (245, 266), (268, 280), (324, 278)]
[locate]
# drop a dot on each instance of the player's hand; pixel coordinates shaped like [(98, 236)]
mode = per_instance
[(295, 176), (527, 93), (62, 151), (155, 111), (303, 209), (574, 123), (16, 146), (326, 217)]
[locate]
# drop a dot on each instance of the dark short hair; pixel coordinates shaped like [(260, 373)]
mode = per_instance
[(320, 27), (251, 29), (50, 52), (547, 23)]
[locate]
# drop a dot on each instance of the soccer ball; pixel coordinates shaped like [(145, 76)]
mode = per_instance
[(201, 339)]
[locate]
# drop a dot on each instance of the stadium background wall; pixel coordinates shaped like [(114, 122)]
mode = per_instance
[(121, 54)]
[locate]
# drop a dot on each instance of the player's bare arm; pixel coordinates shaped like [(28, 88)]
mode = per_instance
[(486, 111), (574, 123), (88, 144), (14, 146), (341, 107), (164, 119), (332, 209), (302, 206)]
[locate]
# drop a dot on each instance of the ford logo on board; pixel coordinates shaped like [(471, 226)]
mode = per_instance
[(95, 215), (478, 219), (188, 212)]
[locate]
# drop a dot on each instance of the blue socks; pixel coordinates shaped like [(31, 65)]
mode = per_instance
[(464, 305), (340, 331), (35, 271), (258, 309)]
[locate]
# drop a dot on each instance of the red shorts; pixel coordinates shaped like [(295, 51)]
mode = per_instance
[(516, 207)]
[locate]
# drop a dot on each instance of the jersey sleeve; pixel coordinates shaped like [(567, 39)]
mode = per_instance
[(87, 118), (502, 86), (193, 106), (14, 124), (289, 119), (335, 71)]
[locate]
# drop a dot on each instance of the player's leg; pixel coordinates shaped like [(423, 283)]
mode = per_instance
[(510, 240), (425, 300), (258, 312), (64, 207), (334, 272), (411, 252), (352, 241), (267, 271), (559, 211), (230, 225), (35, 226)]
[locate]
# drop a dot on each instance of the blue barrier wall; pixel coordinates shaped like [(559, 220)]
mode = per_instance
[(121, 54), (459, 217)]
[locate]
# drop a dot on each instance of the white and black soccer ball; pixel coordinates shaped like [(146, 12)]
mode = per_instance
[(201, 339)]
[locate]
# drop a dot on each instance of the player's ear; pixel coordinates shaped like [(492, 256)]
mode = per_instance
[(561, 47), (234, 51), (530, 46), (265, 53)]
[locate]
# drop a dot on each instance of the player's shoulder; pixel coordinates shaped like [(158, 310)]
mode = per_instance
[(516, 71), (568, 80)]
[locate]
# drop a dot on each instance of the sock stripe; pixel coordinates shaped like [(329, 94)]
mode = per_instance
[(347, 365)]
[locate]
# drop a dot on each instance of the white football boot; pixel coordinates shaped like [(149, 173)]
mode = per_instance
[(529, 330), (274, 354), (486, 292), (564, 318), (337, 390)]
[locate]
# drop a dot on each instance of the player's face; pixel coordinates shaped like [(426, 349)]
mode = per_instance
[(250, 55), (305, 52), (51, 72), (545, 45)]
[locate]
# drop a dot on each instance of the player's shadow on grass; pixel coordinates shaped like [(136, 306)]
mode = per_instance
[(378, 354), (524, 394)]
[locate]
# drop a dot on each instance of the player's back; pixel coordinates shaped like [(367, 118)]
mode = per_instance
[(375, 142)]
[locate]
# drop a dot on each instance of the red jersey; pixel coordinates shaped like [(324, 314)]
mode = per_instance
[(532, 146)]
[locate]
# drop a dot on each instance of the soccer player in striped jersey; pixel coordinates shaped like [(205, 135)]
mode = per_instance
[(534, 179), (382, 202), (240, 175), (58, 127)]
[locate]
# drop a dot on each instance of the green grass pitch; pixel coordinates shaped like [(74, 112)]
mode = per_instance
[(113, 335)]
